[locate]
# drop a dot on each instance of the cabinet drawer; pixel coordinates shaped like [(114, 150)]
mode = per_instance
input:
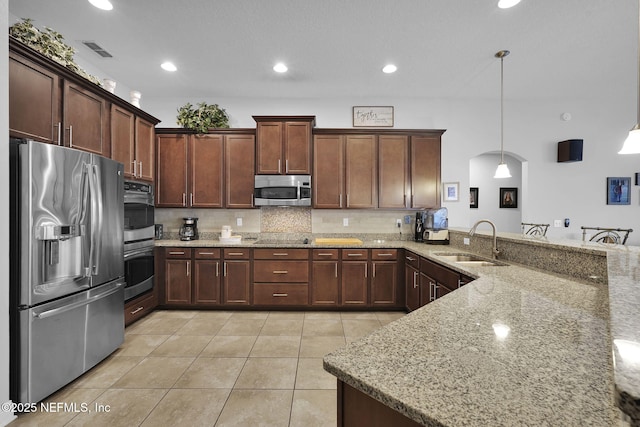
[(207, 253), (412, 259), (325, 254), (236, 253), (280, 294), (355, 254), (178, 252), (284, 253), (384, 254), (280, 271), (139, 308), (440, 273)]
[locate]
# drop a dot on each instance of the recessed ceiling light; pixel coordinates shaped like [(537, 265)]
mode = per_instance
[(506, 4), (102, 4), (280, 68), (389, 68), (168, 66)]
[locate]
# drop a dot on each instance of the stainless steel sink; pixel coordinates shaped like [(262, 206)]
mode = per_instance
[(468, 259)]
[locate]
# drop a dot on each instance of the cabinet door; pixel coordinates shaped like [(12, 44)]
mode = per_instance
[(354, 283), (34, 101), (360, 171), (325, 285), (206, 157), (85, 120), (412, 287), (236, 282), (206, 282), (297, 148), (171, 181), (240, 170), (177, 281), (384, 283), (145, 150), (123, 138), (328, 172), (269, 148), (393, 168), (428, 289), (425, 172)]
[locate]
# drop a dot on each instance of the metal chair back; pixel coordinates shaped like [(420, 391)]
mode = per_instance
[(616, 236), (537, 230)]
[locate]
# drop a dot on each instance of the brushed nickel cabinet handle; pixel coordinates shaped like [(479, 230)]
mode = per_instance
[(408, 258), (70, 136), (59, 126), (136, 310), (224, 269), (217, 269), (336, 269), (134, 169), (385, 254), (140, 169), (176, 253), (188, 268), (280, 254), (191, 199), (415, 279), (354, 254), (235, 253), (205, 253), (280, 295), (184, 199), (280, 272)]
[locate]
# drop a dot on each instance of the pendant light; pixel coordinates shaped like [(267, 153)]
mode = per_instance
[(503, 170), (632, 143)]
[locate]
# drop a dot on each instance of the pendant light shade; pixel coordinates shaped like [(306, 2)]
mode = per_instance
[(503, 170), (632, 143)]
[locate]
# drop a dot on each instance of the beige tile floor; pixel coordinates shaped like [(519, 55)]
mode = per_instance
[(214, 368)]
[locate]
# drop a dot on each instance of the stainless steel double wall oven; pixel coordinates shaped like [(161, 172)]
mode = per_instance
[(139, 232)]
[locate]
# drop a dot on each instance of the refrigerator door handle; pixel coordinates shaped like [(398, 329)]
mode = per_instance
[(60, 310), (96, 219)]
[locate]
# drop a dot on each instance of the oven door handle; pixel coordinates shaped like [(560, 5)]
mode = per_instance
[(137, 253)]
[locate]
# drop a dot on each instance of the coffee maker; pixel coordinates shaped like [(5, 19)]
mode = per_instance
[(421, 218), (189, 230)]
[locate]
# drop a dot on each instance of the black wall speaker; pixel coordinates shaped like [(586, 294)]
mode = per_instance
[(570, 150)]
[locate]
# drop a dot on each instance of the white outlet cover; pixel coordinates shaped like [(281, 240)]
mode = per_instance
[(239, 222), (465, 240), (345, 222), (557, 223)]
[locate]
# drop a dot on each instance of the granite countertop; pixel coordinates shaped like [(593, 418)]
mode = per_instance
[(450, 363)]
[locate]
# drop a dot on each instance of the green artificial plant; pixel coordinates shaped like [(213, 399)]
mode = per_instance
[(51, 44), (202, 118)]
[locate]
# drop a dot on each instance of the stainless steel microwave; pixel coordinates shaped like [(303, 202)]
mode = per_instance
[(282, 190)]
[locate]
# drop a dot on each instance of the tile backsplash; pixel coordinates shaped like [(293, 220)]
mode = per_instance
[(289, 220)]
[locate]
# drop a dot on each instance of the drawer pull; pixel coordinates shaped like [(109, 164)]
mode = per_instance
[(409, 258), (280, 272), (385, 254), (280, 254), (324, 254), (136, 310), (235, 253), (176, 253), (206, 253), (354, 254), (280, 295)]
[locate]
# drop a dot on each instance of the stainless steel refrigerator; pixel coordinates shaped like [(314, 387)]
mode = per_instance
[(67, 265)]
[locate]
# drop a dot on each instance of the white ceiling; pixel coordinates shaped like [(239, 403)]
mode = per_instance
[(336, 48)]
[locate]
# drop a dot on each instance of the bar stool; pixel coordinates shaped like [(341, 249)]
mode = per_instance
[(616, 236), (537, 230)]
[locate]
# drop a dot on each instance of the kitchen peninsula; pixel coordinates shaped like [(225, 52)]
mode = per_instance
[(518, 345)]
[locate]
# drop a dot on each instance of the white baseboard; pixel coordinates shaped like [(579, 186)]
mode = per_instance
[(6, 417)]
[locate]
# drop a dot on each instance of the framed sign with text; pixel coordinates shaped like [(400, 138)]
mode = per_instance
[(364, 116)]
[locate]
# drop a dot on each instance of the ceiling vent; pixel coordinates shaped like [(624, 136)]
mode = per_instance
[(97, 49)]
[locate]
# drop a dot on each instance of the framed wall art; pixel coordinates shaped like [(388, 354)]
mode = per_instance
[(364, 116), (508, 197), (473, 197), (450, 191), (618, 190)]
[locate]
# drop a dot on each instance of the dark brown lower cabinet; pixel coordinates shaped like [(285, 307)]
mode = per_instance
[(358, 409), (354, 281), (192, 276), (325, 273), (236, 276)]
